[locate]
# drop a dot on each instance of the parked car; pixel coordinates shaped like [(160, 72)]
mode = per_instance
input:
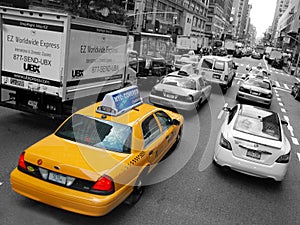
[(238, 53), (152, 69), (186, 59), (100, 156), (296, 91), (256, 55), (252, 141), (256, 90), (181, 90)]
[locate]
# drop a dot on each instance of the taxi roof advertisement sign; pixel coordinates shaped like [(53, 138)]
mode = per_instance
[(120, 101)]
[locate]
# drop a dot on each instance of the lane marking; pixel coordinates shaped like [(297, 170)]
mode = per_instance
[(281, 89), (277, 95), (295, 141), (238, 82), (280, 104), (222, 111), (1, 183), (285, 86), (277, 83), (279, 99), (283, 110), (297, 79), (298, 154), (286, 118)]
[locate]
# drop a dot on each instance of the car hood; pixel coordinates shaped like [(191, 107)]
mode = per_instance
[(174, 89), (258, 89), (72, 158)]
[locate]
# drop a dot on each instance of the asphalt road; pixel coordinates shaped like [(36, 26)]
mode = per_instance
[(188, 188)]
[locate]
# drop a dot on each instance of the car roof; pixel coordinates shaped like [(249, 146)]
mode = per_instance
[(217, 58), (130, 117)]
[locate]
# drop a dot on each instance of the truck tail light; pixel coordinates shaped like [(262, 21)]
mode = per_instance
[(21, 163), (283, 158), (225, 143), (104, 184)]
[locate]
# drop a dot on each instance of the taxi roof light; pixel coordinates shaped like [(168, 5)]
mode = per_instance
[(120, 101)]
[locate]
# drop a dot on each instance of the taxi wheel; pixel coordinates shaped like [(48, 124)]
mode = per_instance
[(297, 95), (137, 192), (198, 106)]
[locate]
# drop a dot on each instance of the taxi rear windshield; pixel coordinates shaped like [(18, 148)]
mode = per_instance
[(98, 133), (260, 123), (180, 82)]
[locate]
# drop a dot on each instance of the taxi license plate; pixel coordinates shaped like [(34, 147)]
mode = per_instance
[(253, 154), (58, 178), (170, 96)]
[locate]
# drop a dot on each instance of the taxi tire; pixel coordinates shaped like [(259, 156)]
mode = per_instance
[(297, 94), (138, 190)]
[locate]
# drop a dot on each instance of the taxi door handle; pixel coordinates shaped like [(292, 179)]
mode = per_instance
[(167, 137), (151, 152)]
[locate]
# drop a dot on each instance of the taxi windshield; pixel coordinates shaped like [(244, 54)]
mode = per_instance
[(95, 132), (180, 82), (259, 123)]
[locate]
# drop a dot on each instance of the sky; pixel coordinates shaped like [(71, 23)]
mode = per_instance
[(262, 14)]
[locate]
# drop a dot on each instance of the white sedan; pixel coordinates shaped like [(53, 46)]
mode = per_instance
[(181, 90), (251, 140)]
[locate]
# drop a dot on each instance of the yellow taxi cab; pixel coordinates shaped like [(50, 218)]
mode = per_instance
[(100, 156)]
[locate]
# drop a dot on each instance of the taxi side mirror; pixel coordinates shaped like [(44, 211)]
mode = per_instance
[(283, 122), (176, 122)]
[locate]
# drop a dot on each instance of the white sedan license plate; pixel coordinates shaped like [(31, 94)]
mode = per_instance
[(255, 93), (253, 154), (58, 178), (170, 96)]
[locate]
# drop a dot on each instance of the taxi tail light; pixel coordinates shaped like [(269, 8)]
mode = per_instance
[(224, 142), (284, 158), (21, 163), (269, 95), (104, 184), (241, 89)]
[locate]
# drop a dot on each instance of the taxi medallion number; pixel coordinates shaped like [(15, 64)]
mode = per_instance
[(58, 178)]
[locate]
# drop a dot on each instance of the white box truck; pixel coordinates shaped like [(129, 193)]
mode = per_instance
[(49, 60)]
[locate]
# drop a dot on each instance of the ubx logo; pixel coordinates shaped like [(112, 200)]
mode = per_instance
[(77, 73), (31, 68)]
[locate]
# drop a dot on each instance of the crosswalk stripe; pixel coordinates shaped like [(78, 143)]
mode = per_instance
[(277, 83), (285, 86)]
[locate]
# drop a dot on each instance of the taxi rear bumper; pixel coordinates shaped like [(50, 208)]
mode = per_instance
[(65, 198)]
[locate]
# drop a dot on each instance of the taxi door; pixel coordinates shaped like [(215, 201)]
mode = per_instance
[(153, 139), (204, 87), (168, 131)]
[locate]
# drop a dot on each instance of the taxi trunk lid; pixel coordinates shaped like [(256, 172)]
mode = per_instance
[(253, 148), (70, 158)]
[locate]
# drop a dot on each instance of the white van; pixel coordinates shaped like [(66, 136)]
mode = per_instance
[(219, 70)]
